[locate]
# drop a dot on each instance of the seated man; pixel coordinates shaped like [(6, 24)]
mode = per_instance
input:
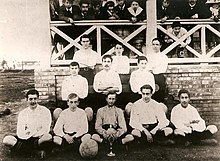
[(110, 122), (141, 77), (74, 83), (190, 127), (33, 128), (72, 124), (148, 119), (105, 81)]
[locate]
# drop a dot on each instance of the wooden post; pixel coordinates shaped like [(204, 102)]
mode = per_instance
[(151, 23)]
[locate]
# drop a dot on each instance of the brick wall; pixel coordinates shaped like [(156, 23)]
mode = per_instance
[(202, 81), (14, 83)]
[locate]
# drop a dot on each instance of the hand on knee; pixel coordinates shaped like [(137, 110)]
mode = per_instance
[(179, 132), (167, 131), (57, 140), (136, 133)]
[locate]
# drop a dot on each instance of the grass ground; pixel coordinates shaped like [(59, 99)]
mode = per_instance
[(150, 153)]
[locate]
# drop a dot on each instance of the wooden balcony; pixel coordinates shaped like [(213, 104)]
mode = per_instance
[(199, 31)]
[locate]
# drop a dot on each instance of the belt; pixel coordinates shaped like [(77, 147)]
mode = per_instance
[(85, 68), (107, 126)]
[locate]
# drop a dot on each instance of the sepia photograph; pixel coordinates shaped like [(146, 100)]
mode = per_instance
[(110, 80)]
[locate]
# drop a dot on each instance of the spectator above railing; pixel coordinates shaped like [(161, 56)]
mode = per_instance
[(204, 46)]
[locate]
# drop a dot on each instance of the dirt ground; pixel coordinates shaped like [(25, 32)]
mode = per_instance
[(151, 153)]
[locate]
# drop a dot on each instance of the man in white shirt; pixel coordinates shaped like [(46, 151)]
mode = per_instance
[(158, 64), (72, 124), (190, 127), (178, 31), (87, 58), (148, 119), (141, 77), (33, 128), (106, 80), (74, 83)]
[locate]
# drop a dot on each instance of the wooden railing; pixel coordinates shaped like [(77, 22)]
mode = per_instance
[(203, 55)]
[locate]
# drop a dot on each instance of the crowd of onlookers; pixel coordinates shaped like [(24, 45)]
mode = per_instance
[(134, 10)]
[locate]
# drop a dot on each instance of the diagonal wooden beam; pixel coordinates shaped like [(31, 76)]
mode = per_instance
[(121, 40)]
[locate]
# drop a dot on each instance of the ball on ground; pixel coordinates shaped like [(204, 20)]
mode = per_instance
[(88, 148)]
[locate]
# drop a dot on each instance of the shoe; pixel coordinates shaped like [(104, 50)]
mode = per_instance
[(209, 142)]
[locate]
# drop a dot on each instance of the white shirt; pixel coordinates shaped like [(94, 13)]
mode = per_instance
[(157, 62), (33, 123), (147, 113), (139, 78), (86, 58), (107, 79), (74, 84), (71, 121), (121, 64), (181, 116), (182, 32)]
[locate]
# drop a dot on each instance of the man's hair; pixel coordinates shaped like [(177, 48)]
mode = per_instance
[(70, 1), (176, 24), (146, 86), (109, 4), (157, 39), (74, 63), (107, 56), (111, 93), (84, 36), (32, 92), (142, 58), (183, 91), (84, 2), (72, 95)]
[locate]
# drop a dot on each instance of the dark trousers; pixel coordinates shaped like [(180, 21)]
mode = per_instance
[(160, 80), (31, 144)]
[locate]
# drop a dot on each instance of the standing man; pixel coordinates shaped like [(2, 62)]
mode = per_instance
[(72, 124), (110, 122), (158, 64), (190, 127), (148, 119), (106, 80), (33, 128), (87, 58), (74, 83)]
